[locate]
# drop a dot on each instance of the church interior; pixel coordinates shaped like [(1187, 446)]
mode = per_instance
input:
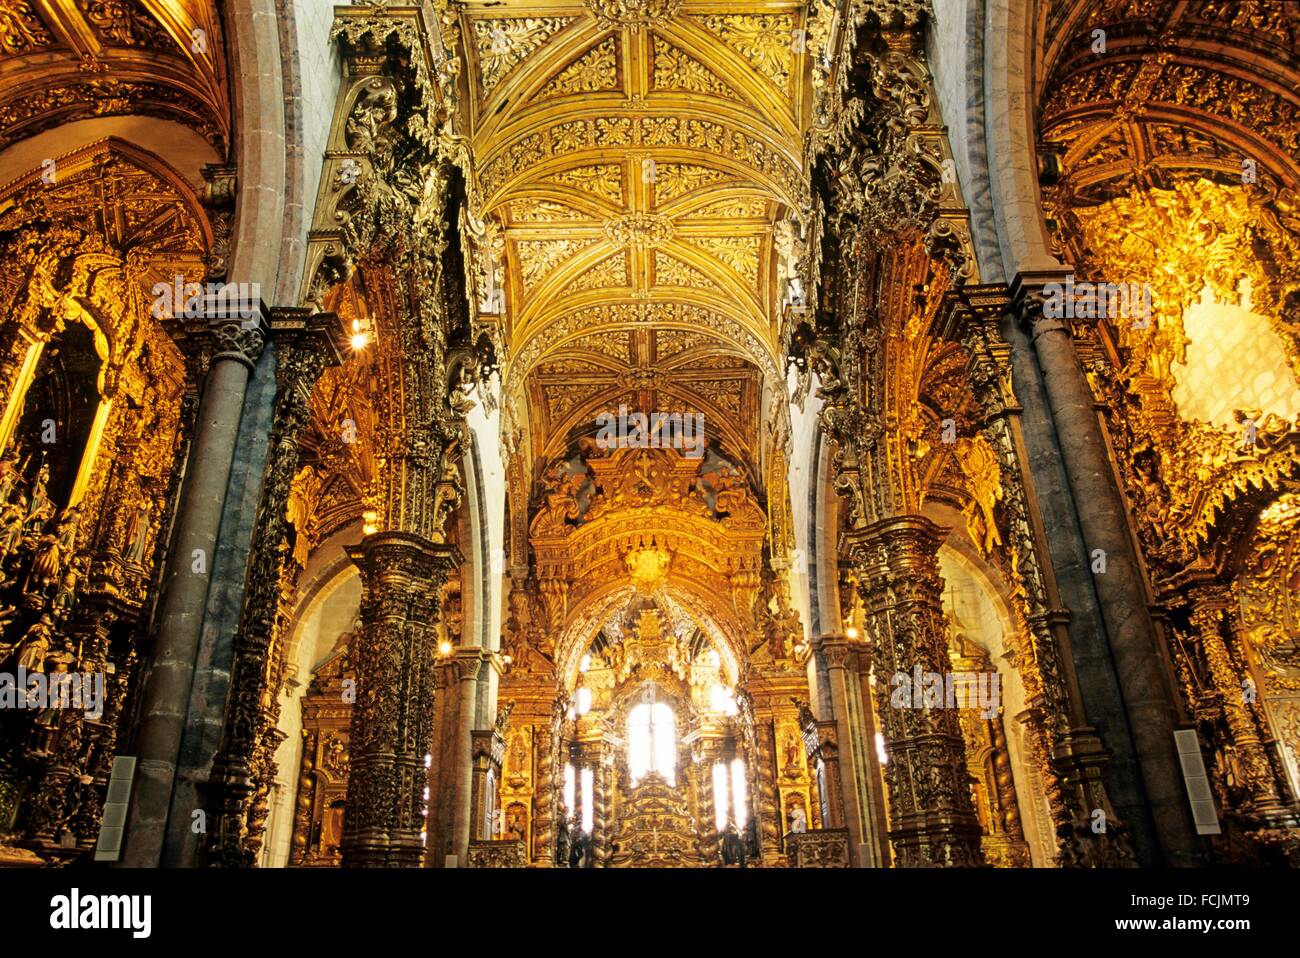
[(649, 434)]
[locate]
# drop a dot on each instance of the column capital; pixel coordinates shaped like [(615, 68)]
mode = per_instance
[(1028, 293)]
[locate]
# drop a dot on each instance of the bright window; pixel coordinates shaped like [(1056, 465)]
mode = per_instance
[(738, 795), (721, 799), (652, 742)]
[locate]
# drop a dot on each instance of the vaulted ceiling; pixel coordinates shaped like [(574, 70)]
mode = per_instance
[(634, 161), (65, 60), (1141, 93)]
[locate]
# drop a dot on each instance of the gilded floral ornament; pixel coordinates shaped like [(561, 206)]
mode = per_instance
[(636, 14), (640, 229)]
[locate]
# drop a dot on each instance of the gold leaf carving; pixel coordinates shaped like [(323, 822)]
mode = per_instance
[(765, 41), (595, 70), (676, 70), (738, 252), (611, 271), (670, 271), (504, 44), (678, 179), (604, 180), (539, 257)]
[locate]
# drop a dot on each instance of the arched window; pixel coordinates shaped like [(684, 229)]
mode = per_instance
[(652, 742)]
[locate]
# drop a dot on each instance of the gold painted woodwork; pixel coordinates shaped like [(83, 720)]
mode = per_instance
[(67, 60)]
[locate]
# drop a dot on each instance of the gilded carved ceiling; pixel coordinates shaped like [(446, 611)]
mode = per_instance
[(634, 163), (65, 60), (1168, 91)]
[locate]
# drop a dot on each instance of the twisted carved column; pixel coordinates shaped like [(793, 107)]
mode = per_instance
[(602, 764), (394, 654), (764, 776), (544, 793), (932, 819), (305, 345)]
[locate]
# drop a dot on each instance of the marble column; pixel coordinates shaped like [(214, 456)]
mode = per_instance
[(931, 816), (392, 720), (469, 663), (860, 776), (185, 589), (1140, 666), (305, 344)]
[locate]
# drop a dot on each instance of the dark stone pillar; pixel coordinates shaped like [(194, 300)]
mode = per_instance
[(180, 617), (305, 345), (1122, 599)]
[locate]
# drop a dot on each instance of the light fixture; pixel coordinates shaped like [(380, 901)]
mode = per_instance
[(369, 522), (582, 700), (444, 647), (360, 339), (851, 632)]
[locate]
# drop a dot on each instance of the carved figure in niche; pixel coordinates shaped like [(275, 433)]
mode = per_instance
[(40, 509), (45, 727), (36, 646), (137, 532), (792, 764), (516, 826), (332, 828), (798, 816), (12, 521), (1155, 507), (65, 596), (54, 550)]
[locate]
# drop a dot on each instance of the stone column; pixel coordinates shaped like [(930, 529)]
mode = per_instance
[(305, 345), (1134, 643), (392, 720), (932, 819), (185, 584), (469, 662), (856, 725)]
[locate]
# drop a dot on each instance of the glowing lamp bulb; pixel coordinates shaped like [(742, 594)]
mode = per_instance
[(444, 647)]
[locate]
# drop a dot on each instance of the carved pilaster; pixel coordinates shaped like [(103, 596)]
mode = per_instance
[(394, 656), (932, 820), (305, 345)]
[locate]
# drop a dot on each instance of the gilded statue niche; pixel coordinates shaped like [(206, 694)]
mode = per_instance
[(94, 393), (1268, 591)]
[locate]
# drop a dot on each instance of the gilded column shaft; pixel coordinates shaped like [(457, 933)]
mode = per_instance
[(1232, 688), (391, 728), (932, 818)]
